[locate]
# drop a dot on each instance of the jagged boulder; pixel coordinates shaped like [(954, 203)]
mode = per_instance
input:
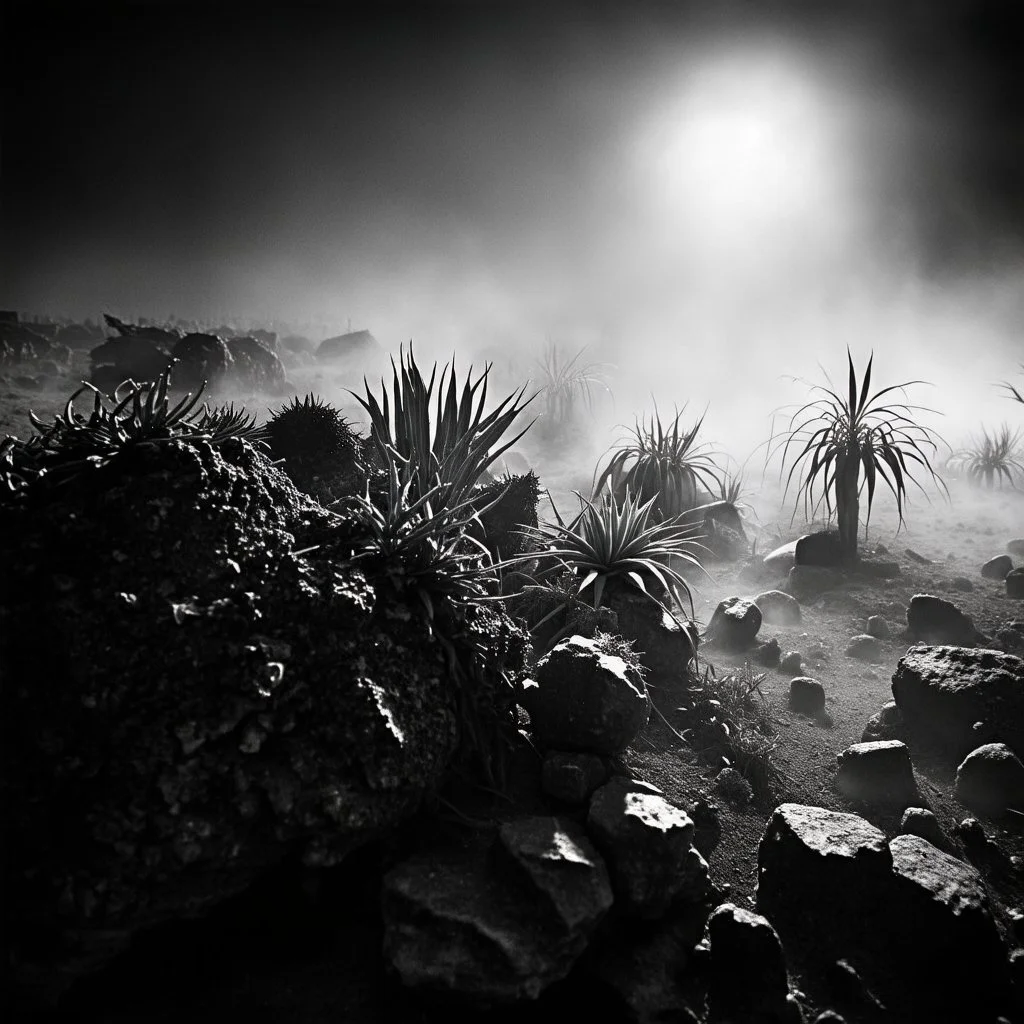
[(127, 357), (944, 692), (585, 699), (496, 925), (646, 842), (187, 701)]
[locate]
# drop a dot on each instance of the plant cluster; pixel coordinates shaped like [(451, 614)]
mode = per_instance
[(843, 444), (663, 465), (135, 417), (610, 547), (728, 722), (1015, 393), (992, 458)]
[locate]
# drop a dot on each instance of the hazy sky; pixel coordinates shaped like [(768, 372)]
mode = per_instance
[(724, 176)]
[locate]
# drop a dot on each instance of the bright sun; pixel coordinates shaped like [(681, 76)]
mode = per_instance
[(750, 145)]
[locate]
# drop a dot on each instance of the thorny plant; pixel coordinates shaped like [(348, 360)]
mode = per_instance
[(662, 464), (842, 444)]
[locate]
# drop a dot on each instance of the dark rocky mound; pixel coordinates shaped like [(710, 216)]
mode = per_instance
[(257, 364), (187, 701), (202, 357), (354, 346)]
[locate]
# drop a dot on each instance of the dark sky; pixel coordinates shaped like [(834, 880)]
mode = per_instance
[(367, 159)]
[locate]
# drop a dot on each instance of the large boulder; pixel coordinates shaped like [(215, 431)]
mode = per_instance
[(1015, 583), (991, 779), (943, 938), (944, 692), (188, 701), (355, 347), (933, 620), (997, 568), (585, 699), (814, 866), (781, 559), (646, 842), (500, 925)]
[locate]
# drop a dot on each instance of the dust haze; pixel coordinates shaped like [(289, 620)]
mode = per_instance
[(711, 205)]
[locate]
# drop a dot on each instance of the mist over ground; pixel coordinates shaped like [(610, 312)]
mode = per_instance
[(712, 203)]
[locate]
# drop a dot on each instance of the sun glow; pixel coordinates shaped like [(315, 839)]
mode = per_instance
[(750, 147)]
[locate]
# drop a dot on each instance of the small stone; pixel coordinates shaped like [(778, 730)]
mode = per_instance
[(919, 821), (877, 772), (878, 626), (791, 662), (864, 647), (768, 653), (735, 623), (961, 583), (997, 568), (991, 778), (806, 696)]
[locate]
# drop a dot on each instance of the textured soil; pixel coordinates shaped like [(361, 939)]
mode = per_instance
[(271, 979)]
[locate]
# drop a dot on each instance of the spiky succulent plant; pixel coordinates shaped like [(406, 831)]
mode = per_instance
[(319, 447)]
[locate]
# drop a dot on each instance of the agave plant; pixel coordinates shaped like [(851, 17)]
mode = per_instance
[(843, 444), (611, 546), (992, 457), (566, 383), (662, 465), (438, 431)]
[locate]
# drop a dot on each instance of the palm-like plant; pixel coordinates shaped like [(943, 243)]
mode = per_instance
[(611, 546), (662, 465), (565, 383), (992, 457), (843, 444)]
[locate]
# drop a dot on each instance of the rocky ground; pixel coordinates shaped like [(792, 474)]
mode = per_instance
[(306, 946)]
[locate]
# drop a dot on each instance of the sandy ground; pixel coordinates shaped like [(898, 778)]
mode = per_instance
[(956, 535)]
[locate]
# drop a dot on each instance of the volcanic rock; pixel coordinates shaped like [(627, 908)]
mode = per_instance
[(936, 621), (583, 699), (944, 691), (919, 821), (822, 548), (864, 647), (646, 842), (571, 777), (997, 568), (1015, 583), (991, 778), (806, 696), (735, 623), (878, 772)]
